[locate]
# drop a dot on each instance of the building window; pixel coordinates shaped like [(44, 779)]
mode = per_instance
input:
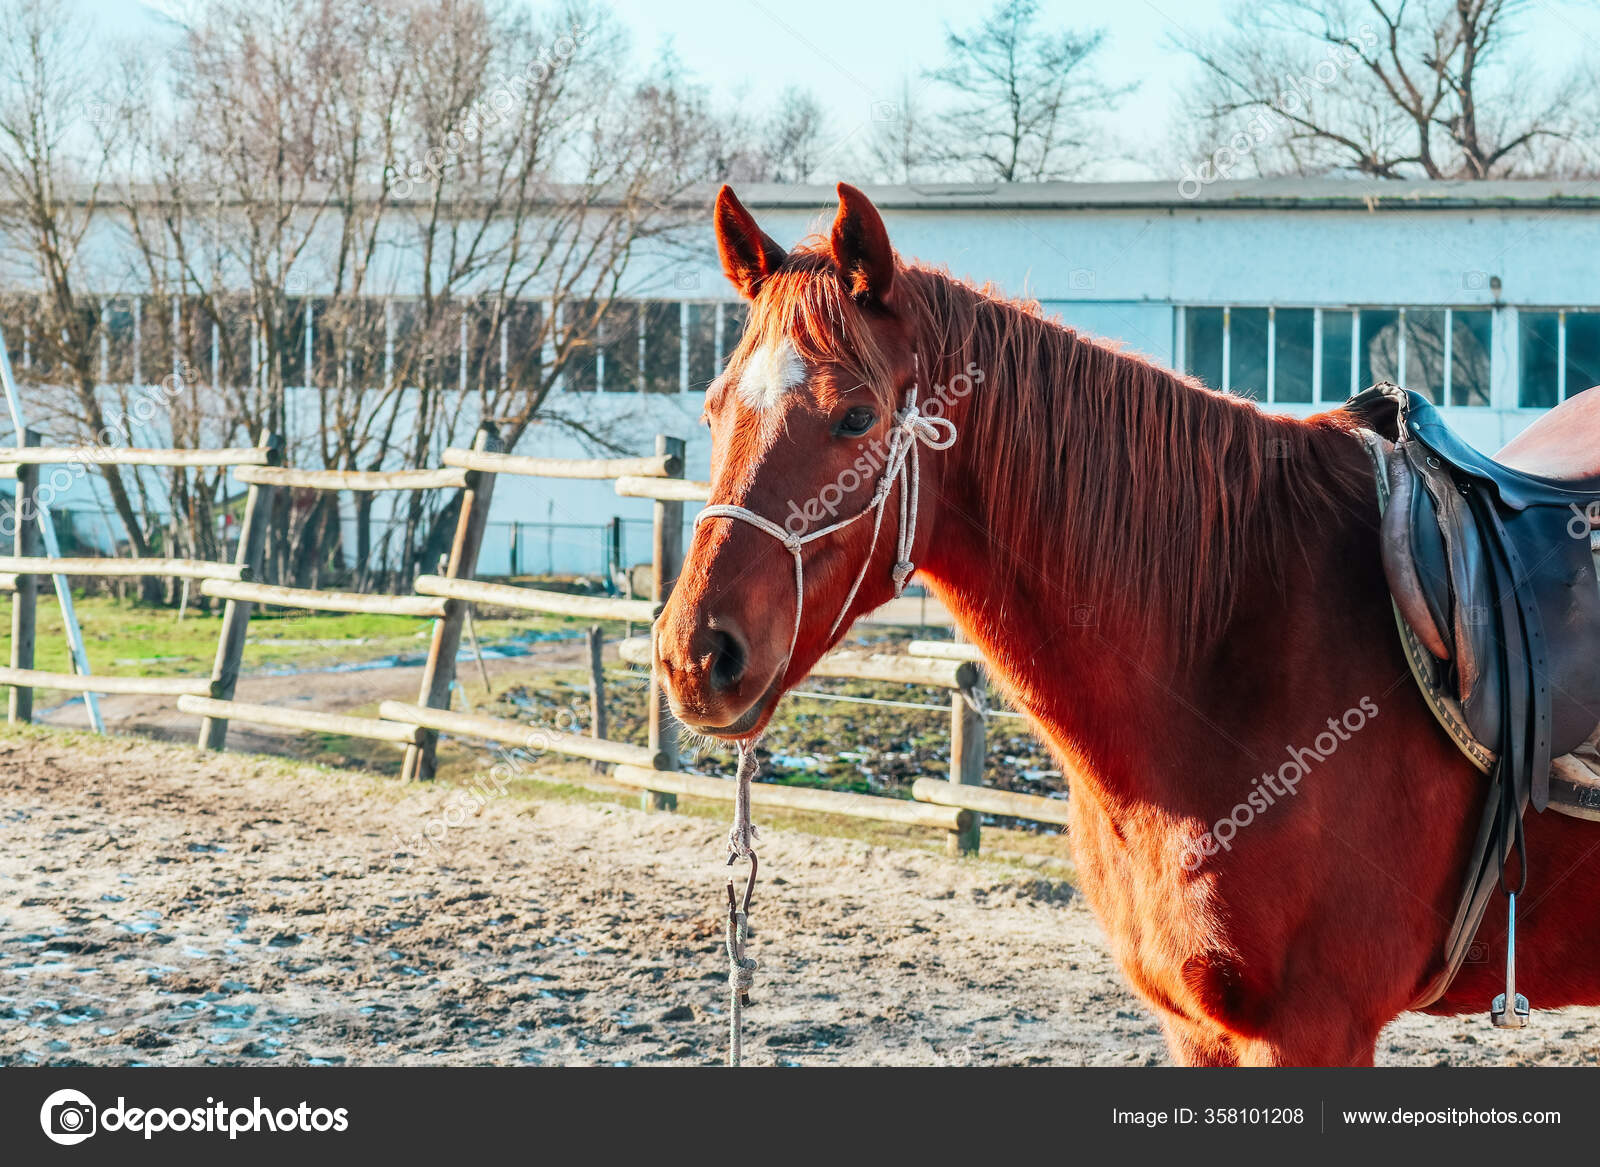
[(619, 347), (1538, 352), (1269, 354), (1581, 370), (579, 337), (1247, 352), (1297, 356), (1338, 354), (1471, 340), (662, 332), (701, 340), (522, 338), (734, 318), (1558, 356), (1203, 332), (1293, 354), (1380, 346), (484, 325)]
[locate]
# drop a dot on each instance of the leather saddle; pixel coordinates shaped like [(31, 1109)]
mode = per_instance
[(1494, 568), (1492, 564)]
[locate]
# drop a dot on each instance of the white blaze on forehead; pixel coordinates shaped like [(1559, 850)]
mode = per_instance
[(772, 372)]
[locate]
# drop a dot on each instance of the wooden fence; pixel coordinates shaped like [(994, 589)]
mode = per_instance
[(953, 805)]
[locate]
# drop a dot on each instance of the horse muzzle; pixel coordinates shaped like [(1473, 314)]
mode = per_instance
[(715, 682)]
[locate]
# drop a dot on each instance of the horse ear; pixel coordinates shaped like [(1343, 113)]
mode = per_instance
[(861, 247), (749, 254)]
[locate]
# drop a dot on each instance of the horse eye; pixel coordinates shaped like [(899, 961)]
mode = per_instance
[(855, 422)]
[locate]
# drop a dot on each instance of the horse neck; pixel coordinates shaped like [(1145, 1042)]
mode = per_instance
[(1105, 680)]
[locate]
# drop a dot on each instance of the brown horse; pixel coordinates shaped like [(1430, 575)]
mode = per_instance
[(1184, 594)]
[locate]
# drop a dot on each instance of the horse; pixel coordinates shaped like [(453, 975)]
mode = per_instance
[(1182, 592)]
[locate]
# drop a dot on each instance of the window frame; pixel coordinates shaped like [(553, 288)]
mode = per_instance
[(1319, 391), (1561, 314)]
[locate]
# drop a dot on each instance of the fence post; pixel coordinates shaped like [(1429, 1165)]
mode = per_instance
[(665, 562), (25, 600), (967, 754), (440, 670), (597, 687), (254, 525)]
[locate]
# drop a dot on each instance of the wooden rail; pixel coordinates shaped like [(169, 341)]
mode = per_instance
[(663, 489), (536, 599), (99, 683), (108, 566), (660, 466), (129, 456), (905, 670), (303, 720), (316, 600), (945, 650), (844, 665), (359, 480), (864, 806), (987, 800), (8, 582), (532, 738)]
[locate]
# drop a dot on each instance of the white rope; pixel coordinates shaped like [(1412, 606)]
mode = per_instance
[(741, 845), (911, 428), (741, 976)]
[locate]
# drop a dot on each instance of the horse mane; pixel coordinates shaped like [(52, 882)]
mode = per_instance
[(1175, 493)]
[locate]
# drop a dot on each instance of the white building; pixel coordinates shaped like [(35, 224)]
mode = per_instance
[(1295, 292)]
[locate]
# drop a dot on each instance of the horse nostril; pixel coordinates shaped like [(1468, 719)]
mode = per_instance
[(728, 658)]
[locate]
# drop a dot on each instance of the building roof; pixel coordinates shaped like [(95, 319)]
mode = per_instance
[(1255, 194), (1285, 193)]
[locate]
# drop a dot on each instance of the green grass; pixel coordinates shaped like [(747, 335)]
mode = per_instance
[(133, 640)]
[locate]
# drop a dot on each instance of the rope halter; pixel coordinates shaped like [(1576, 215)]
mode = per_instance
[(911, 428)]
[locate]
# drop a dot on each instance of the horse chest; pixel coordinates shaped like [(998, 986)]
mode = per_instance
[(1161, 923)]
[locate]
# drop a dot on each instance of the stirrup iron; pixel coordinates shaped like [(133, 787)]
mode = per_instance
[(1516, 1016)]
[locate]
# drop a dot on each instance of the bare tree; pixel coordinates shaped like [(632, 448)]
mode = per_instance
[(1385, 88), (903, 146), (55, 150), (450, 195), (794, 137), (1023, 98)]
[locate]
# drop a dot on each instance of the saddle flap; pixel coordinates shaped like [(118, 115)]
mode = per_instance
[(1451, 562)]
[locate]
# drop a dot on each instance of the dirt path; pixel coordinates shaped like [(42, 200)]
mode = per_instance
[(159, 905)]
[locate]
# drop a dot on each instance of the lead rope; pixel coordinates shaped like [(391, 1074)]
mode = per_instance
[(741, 969), (912, 428)]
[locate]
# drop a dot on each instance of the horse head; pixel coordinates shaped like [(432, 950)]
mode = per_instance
[(815, 513)]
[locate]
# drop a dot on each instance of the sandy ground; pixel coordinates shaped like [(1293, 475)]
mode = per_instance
[(159, 905)]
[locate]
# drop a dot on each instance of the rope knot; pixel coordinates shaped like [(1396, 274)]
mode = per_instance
[(934, 431)]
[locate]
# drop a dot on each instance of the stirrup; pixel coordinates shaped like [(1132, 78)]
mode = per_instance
[(1516, 1016)]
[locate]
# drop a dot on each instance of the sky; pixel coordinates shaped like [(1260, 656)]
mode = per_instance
[(853, 53)]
